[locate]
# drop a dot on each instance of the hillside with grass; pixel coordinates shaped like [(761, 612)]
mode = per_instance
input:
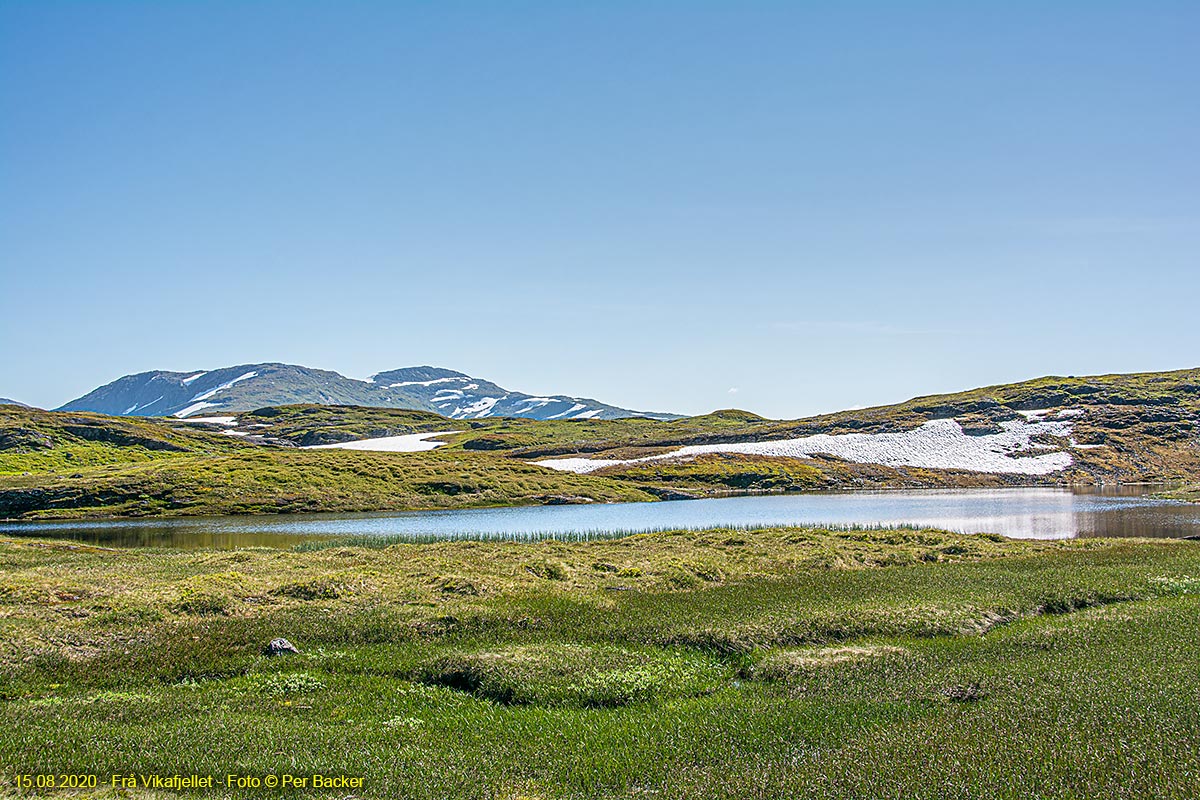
[(1132, 428), (45, 443), (69, 465), (1105, 429)]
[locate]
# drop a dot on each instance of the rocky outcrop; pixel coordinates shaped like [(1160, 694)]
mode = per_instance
[(97, 432), (24, 439)]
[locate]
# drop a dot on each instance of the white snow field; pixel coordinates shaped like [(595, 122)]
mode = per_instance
[(938, 444), (409, 443)]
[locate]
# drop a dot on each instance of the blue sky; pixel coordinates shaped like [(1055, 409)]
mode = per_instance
[(788, 207)]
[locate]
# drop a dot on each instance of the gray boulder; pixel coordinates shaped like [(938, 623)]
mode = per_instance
[(279, 647)]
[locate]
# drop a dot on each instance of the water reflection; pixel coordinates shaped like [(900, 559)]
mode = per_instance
[(1043, 513)]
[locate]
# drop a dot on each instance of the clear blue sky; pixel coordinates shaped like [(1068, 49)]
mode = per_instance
[(818, 205)]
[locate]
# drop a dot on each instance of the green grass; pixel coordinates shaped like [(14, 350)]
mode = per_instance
[(261, 480), (44, 442), (722, 664), (306, 424)]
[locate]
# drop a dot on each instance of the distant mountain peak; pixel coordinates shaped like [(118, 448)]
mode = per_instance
[(246, 387), (417, 375)]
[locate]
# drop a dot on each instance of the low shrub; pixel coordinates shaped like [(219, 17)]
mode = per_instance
[(289, 683)]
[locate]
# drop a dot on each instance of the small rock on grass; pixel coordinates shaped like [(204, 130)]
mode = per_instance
[(964, 693), (279, 647)]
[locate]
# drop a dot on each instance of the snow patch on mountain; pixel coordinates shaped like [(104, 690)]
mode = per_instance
[(198, 401), (479, 408), (572, 410), (224, 386), (136, 406), (424, 383), (193, 408), (938, 444)]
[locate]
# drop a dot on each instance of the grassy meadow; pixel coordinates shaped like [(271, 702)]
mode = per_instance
[(260, 480), (725, 663)]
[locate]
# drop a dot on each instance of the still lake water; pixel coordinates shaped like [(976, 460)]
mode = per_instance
[(1040, 513)]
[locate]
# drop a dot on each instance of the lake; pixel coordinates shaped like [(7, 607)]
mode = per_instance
[(1026, 513)]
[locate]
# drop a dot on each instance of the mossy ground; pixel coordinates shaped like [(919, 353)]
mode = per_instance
[(266, 481), (45, 443), (772, 663)]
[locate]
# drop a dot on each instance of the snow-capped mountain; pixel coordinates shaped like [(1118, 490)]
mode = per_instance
[(250, 386), (460, 396)]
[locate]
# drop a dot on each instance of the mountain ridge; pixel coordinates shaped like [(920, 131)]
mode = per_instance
[(245, 387)]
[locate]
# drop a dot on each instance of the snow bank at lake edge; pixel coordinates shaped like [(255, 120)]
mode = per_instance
[(937, 444), (408, 443)]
